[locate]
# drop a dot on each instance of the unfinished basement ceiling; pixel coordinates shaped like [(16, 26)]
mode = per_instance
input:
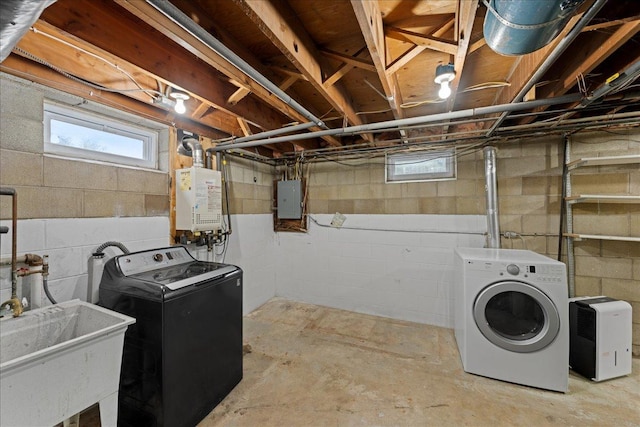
[(335, 64)]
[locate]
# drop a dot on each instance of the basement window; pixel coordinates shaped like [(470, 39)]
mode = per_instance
[(421, 166), (74, 133)]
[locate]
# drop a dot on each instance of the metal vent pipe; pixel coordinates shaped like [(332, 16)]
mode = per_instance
[(518, 27), (491, 192), (16, 17)]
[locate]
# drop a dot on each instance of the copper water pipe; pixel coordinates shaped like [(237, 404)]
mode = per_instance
[(14, 302)]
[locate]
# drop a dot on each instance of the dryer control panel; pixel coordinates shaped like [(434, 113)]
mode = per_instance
[(536, 273)]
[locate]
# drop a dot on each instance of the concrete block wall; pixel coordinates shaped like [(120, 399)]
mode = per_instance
[(54, 187), (529, 188), (604, 267), (251, 186)]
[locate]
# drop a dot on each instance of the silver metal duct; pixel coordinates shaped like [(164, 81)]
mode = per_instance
[(551, 59), (191, 147), (16, 17), (491, 192), (518, 27)]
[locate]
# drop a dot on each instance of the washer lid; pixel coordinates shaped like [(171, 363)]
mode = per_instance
[(516, 316), (181, 275)]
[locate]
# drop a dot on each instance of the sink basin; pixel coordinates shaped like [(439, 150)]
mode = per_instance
[(58, 360)]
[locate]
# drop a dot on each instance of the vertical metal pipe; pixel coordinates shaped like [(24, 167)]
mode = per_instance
[(5, 191), (491, 191)]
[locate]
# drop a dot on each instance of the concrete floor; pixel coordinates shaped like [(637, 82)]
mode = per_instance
[(317, 366)]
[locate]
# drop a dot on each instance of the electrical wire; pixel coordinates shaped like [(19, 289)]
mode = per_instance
[(152, 93), (399, 230), (479, 86), (77, 79)]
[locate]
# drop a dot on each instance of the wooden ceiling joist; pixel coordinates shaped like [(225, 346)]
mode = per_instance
[(372, 28), (599, 49), (351, 60), (280, 25), (26, 69), (414, 51), (170, 29), (466, 16), (429, 42)]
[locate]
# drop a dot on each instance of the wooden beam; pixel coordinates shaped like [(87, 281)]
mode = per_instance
[(343, 70), (338, 74), (601, 46), (246, 130), (29, 70), (351, 60), (429, 42), (288, 82), (107, 26), (370, 21), (403, 59), (608, 24), (590, 57), (200, 111), (414, 51), (465, 16), (280, 25), (238, 95), (477, 45), (89, 63), (194, 46)]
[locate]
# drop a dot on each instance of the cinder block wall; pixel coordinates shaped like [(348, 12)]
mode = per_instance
[(529, 189), (53, 187), (250, 185)]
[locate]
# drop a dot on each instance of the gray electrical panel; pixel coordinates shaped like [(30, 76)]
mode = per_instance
[(290, 199)]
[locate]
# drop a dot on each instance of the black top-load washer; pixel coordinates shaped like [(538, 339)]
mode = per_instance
[(184, 353)]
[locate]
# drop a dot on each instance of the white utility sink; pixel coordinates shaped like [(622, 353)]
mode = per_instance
[(57, 361)]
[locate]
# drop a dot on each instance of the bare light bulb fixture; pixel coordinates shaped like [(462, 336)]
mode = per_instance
[(180, 97), (444, 75)]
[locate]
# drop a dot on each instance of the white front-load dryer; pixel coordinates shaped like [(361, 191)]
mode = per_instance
[(511, 316)]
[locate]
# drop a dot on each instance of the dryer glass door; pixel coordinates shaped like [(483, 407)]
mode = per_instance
[(516, 316)]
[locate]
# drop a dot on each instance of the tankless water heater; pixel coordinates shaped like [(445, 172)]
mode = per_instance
[(198, 199)]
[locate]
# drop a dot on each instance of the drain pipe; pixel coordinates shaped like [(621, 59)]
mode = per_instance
[(397, 123), (214, 44), (96, 266), (491, 191), (557, 51)]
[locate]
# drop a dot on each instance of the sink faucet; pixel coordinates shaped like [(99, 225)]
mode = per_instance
[(14, 303)]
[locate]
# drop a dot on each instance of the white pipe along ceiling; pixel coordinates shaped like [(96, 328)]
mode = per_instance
[(280, 77)]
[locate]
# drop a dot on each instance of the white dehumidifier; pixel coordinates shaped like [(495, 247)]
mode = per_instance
[(599, 337)]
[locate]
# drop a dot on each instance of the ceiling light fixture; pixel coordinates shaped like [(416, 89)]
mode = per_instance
[(180, 97), (444, 75)]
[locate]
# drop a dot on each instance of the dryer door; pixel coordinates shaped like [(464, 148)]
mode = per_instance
[(516, 316)]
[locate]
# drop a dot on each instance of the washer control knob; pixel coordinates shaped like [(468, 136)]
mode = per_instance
[(513, 269), (157, 257)]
